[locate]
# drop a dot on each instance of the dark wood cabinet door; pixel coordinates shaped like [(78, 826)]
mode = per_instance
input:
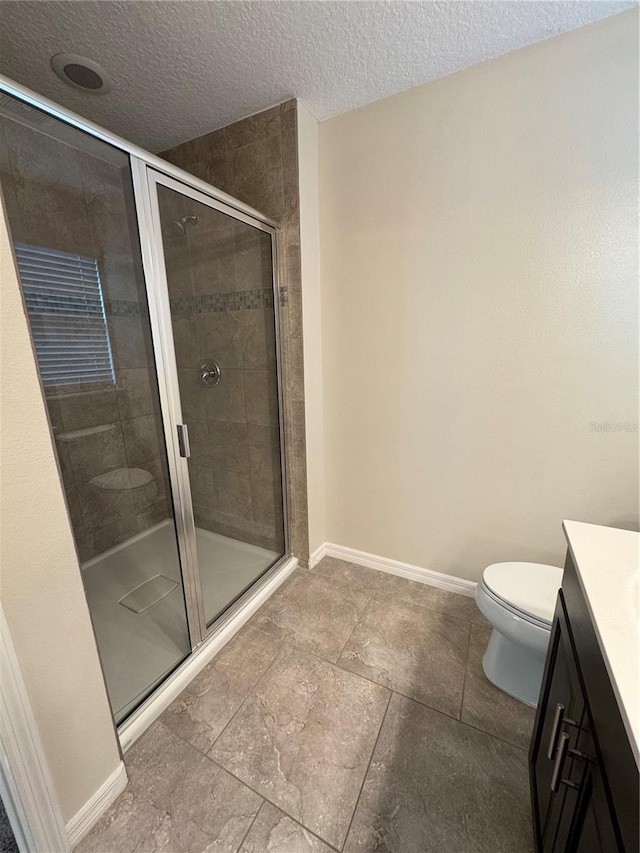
[(556, 774)]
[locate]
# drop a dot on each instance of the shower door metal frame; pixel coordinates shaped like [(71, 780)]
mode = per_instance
[(142, 163), (146, 179)]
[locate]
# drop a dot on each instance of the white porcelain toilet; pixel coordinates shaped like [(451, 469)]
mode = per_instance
[(519, 600)]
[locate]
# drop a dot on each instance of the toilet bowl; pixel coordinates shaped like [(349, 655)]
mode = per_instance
[(518, 599)]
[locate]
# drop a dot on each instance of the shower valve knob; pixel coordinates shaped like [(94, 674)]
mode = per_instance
[(209, 373)]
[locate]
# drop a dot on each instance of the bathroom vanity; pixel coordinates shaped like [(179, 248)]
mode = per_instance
[(584, 751)]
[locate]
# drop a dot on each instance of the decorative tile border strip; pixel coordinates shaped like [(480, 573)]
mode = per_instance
[(121, 308), (240, 300)]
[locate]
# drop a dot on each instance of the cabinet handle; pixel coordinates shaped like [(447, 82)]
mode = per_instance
[(557, 767), (555, 731)]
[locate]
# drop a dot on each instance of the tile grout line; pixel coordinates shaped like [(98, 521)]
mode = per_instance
[(264, 798), (466, 669), (255, 818), (366, 773)]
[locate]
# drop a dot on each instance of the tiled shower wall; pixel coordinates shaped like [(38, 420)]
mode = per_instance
[(219, 273), (61, 198), (255, 160)]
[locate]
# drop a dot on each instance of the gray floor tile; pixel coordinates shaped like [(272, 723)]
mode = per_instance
[(313, 612), (177, 800), (304, 738), (275, 832), (418, 652), (451, 603), (486, 707), (205, 707), (436, 785), (383, 583)]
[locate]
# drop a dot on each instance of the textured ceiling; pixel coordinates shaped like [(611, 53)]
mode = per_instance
[(181, 69)]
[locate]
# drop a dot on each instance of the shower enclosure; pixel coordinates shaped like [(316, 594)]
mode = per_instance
[(152, 301)]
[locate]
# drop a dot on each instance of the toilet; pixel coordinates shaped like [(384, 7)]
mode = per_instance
[(519, 600)]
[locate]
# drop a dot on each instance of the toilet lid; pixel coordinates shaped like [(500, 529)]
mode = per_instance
[(531, 588)]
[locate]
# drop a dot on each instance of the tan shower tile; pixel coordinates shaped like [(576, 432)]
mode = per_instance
[(226, 402), (205, 707), (141, 439), (419, 653), (261, 397), (304, 738), (487, 708), (134, 393), (219, 337)]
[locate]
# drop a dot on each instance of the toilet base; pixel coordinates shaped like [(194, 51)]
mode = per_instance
[(513, 668)]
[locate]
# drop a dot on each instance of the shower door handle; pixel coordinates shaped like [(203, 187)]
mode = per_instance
[(183, 440)]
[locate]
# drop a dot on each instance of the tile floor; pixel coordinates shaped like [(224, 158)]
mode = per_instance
[(351, 713)]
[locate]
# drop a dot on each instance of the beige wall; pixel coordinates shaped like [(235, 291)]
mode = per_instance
[(479, 261), (40, 582), (311, 322)]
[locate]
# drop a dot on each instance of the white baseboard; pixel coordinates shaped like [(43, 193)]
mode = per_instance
[(318, 554), (93, 809), (149, 712), (395, 567)]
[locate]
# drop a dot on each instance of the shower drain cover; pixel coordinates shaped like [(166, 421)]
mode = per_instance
[(147, 594)]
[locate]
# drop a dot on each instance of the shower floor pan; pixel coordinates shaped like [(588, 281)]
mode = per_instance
[(138, 649)]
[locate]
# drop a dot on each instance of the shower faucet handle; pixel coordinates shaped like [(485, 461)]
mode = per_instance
[(209, 373)]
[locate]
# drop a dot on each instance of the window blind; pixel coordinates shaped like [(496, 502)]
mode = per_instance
[(63, 295)]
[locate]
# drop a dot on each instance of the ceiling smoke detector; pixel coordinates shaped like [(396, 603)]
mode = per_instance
[(81, 73)]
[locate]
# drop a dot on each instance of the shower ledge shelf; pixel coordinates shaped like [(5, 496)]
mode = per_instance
[(83, 433), (122, 480)]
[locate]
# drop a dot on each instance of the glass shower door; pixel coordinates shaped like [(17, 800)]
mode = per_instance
[(219, 272), (70, 208)]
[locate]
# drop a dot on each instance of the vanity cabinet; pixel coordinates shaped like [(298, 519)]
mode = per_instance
[(584, 777)]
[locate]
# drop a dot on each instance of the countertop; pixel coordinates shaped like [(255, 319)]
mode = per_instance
[(607, 561)]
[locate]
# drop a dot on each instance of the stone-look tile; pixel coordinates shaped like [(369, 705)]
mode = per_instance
[(452, 603), (232, 494), (253, 129), (258, 339), (194, 398), (95, 450), (304, 738), (127, 342), (419, 653), (219, 336), (438, 785), (156, 513), (261, 394), (381, 583), (275, 832), (178, 800), (141, 439), (212, 252), (205, 707), (87, 409), (189, 349), (39, 187), (134, 393), (100, 508), (254, 269), (486, 707), (313, 612), (201, 482), (113, 534), (226, 402), (255, 173)]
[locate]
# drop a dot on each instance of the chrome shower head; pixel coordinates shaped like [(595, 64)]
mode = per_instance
[(181, 224)]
